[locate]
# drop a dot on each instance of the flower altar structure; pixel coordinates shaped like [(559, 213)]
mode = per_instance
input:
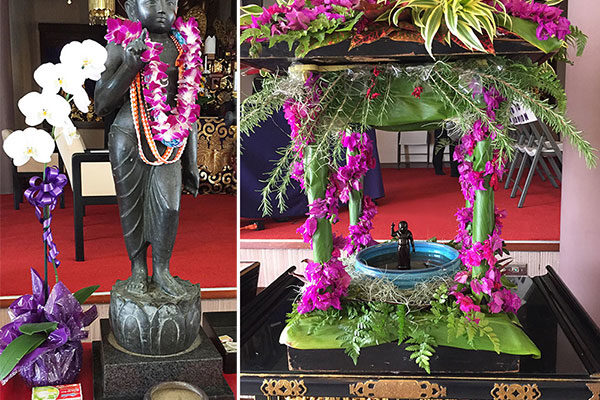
[(460, 64)]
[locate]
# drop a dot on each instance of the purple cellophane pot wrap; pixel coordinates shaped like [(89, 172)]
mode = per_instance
[(56, 367), (58, 359)]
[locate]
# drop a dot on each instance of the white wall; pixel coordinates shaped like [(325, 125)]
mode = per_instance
[(580, 214)]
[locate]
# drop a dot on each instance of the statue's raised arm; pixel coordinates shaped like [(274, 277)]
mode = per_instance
[(122, 65)]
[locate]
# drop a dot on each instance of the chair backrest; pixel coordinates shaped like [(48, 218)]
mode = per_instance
[(96, 177), (31, 166), (67, 150)]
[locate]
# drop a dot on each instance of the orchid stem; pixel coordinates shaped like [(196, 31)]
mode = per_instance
[(54, 260), (44, 240)]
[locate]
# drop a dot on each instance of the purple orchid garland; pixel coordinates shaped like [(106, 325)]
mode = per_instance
[(327, 279), (549, 19), (297, 16), (470, 288), (349, 178), (169, 125)]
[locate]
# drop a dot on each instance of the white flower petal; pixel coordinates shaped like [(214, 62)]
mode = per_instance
[(69, 131), (31, 105), (32, 142), (71, 79), (58, 109), (82, 101), (71, 54), (94, 58), (46, 75), (42, 144), (13, 147)]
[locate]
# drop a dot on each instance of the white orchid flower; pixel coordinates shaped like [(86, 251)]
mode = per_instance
[(31, 142), (88, 56), (69, 131), (38, 107), (82, 101), (53, 77)]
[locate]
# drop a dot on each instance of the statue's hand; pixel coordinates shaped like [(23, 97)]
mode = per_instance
[(134, 50), (191, 180)]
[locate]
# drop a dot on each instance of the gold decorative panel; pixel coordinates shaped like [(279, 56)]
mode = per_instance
[(503, 391), (216, 156), (283, 387), (595, 389), (406, 389)]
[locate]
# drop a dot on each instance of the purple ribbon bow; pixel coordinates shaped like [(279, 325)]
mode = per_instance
[(44, 193)]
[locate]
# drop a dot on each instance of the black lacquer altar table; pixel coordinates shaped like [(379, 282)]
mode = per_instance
[(569, 368)]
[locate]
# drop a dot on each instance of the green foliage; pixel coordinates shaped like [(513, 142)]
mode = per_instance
[(40, 327), (344, 102), (83, 294), (576, 39), (320, 32), (461, 18), (522, 82), (371, 323), (421, 346), (262, 104), (17, 349)]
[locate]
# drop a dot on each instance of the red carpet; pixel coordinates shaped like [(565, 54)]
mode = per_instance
[(205, 248), (428, 202)]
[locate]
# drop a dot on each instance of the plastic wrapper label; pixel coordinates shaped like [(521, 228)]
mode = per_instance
[(60, 392)]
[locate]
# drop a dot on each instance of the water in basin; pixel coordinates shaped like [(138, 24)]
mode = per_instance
[(430, 260)]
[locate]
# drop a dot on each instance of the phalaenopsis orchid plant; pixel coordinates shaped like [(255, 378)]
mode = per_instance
[(43, 341)]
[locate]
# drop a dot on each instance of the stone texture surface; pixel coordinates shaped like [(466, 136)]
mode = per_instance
[(123, 376), (155, 323)]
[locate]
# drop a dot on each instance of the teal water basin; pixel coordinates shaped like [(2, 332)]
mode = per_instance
[(429, 260)]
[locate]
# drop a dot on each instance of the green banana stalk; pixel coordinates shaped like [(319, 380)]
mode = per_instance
[(316, 177)]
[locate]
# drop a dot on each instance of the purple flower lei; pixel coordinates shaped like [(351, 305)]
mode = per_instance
[(298, 15), (171, 126), (328, 282), (349, 177), (472, 254), (549, 19), (297, 111)]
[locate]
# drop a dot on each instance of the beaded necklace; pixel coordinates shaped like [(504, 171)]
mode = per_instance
[(148, 94), (139, 111)]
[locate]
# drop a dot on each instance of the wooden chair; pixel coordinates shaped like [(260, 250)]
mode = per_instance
[(90, 174), (22, 174)]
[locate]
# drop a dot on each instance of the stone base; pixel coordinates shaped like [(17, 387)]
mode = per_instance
[(121, 375), (154, 322)]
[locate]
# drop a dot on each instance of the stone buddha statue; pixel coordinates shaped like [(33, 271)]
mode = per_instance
[(148, 195)]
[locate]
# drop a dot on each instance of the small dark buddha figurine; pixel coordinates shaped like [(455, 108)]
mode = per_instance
[(405, 240), (148, 195)]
